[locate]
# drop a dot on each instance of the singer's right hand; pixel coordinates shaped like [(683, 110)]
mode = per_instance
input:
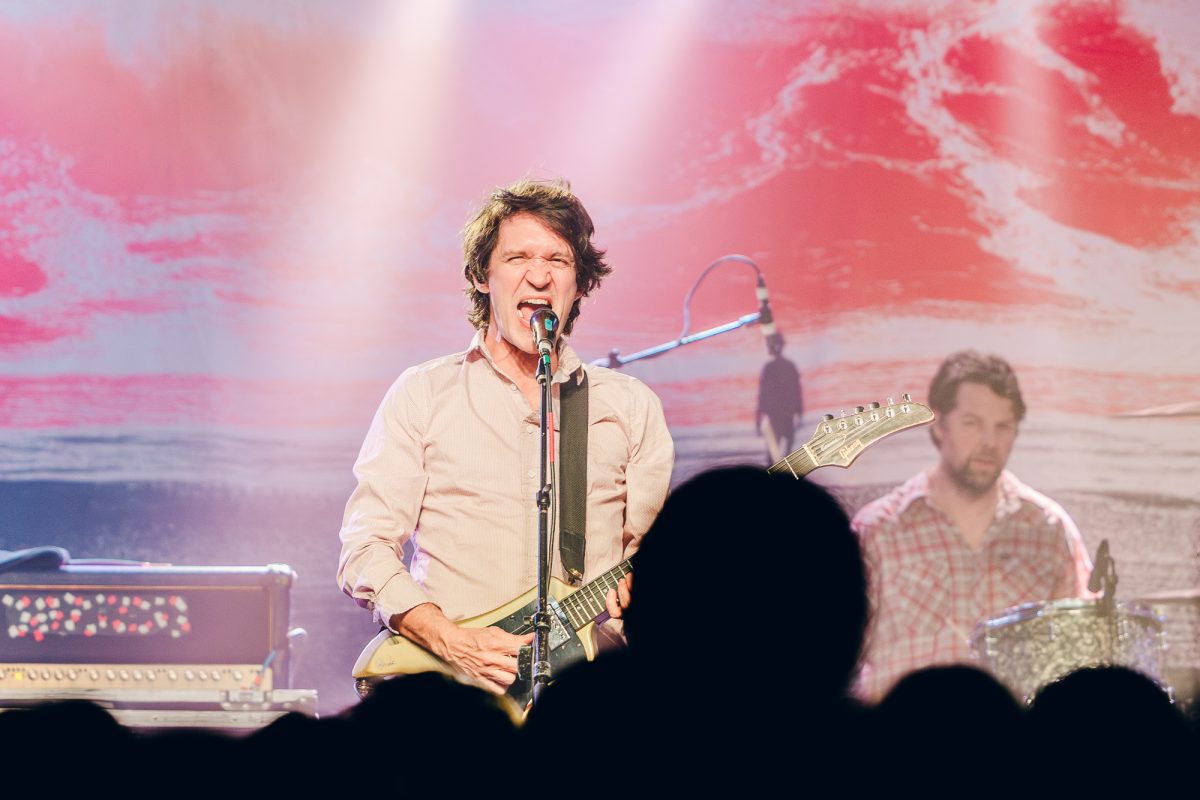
[(488, 654)]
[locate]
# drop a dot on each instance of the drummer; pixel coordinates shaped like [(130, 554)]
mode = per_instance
[(964, 539)]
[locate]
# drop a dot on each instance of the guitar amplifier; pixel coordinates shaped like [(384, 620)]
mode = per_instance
[(161, 630)]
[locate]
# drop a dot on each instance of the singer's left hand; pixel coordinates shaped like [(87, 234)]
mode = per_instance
[(617, 600)]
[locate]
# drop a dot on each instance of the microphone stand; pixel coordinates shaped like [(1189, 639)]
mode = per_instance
[(541, 616)]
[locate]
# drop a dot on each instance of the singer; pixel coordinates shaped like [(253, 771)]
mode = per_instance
[(451, 460), (964, 539)]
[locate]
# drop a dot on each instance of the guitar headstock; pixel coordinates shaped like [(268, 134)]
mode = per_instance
[(839, 440)]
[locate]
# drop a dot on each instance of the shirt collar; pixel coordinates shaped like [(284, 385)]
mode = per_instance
[(568, 360), (1010, 499), (1008, 502)]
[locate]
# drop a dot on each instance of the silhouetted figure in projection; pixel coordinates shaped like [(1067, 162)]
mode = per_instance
[(735, 666), (450, 463), (964, 539), (780, 402)]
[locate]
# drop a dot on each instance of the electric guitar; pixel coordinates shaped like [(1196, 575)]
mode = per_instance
[(838, 441)]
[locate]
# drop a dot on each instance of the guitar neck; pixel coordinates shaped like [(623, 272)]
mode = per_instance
[(837, 442), (587, 602)]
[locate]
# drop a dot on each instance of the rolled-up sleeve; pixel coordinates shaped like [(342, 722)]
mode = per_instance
[(385, 507)]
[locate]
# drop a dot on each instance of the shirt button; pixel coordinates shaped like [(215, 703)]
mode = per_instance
[(512, 387), (529, 474)]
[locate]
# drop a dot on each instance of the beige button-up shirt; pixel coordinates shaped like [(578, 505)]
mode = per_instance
[(451, 461)]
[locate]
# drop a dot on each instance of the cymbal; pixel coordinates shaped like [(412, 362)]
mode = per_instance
[(1190, 408), (1173, 594)]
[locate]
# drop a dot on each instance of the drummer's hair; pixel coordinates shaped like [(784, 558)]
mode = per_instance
[(971, 366), (560, 210)]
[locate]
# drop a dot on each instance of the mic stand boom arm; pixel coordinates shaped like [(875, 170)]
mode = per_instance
[(616, 361), (763, 317)]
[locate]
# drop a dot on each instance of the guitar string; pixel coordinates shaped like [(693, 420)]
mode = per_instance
[(593, 596)]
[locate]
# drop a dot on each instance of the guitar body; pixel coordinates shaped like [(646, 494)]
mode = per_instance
[(389, 654)]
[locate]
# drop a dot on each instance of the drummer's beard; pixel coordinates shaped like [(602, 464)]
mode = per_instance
[(977, 475)]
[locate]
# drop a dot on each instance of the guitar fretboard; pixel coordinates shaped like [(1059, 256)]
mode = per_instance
[(586, 603), (798, 464)]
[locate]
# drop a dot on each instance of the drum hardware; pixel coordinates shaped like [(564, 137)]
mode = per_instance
[(1104, 580)]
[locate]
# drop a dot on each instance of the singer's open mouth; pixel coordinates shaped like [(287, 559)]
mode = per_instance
[(527, 306)]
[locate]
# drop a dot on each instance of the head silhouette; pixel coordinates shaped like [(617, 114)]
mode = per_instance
[(736, 556)]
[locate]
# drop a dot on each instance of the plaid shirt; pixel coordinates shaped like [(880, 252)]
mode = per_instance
[(929, 588)]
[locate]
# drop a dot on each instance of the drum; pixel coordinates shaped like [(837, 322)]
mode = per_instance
[(1031, 645)]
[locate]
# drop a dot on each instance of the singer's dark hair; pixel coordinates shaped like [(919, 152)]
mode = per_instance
[(970, 366), (559, 209)]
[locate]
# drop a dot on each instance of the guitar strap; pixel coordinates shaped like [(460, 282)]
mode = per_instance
[(572, 493)]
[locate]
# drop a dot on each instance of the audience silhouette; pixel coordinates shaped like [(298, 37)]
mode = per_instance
[(1118, 721), (738, 671)]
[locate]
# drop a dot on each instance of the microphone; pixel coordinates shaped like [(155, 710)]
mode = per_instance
[(766, 319), (1100, 567), (544, 324)]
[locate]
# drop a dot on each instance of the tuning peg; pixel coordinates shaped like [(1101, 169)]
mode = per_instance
[(873, 406), (906, 397), (859, 409), (827, 417)]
